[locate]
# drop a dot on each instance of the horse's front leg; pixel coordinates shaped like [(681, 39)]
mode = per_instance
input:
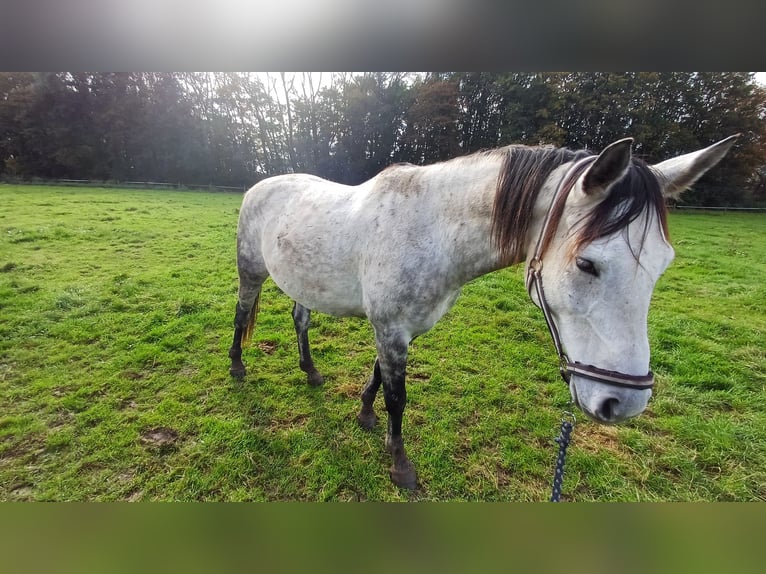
[(392, 359)]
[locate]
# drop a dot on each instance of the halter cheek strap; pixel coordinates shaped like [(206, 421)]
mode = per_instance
[(534, 281)]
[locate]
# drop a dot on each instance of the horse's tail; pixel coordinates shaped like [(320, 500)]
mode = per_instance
[(251, 320)]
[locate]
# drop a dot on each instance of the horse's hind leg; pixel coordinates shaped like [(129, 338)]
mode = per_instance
[(366, 417), (244, 320), (302, 320)]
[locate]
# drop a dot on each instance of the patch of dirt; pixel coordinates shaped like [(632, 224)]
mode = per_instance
[(126, 476), (128, 404), (23, 492), (27, 449), (159, 437), (267, 347), (133, 375), (62, 418), (503, 476), (417, 376), (349, 390), (135, 496), (596, 438), (348, 493), (187, 371), (296, 421), (6, 370)]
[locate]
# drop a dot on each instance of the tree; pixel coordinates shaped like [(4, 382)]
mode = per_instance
[(482, 103), (369, 124), (15, 95), (534, 109), (431, 132)]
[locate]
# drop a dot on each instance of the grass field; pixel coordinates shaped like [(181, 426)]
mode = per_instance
[(117, 308)]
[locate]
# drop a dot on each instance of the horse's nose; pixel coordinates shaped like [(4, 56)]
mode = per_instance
[(606, 403), (609, 410)]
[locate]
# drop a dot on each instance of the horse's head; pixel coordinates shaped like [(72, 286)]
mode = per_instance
[(605, 247)]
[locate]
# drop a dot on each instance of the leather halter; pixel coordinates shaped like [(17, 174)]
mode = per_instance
[(534, 280)]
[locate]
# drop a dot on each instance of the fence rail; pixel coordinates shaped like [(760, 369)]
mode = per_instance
[(125, 184), (720, 208)]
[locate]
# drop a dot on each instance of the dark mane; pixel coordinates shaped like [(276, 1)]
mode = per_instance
[(523, 174)]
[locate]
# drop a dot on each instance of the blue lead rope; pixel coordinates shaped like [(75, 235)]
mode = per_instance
[(563, 441)]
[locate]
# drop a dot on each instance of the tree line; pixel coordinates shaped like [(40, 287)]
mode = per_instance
[(237, 128)]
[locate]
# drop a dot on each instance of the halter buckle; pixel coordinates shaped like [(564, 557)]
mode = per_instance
[(536, 264), (564, 368)]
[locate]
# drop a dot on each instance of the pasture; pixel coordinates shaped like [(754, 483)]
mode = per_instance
[(117, 309)]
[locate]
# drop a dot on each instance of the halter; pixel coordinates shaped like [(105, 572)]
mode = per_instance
[(535, 280)]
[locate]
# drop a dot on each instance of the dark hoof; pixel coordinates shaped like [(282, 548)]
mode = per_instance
[(237, 371), (315, 379), (367, 420), (405, 478)]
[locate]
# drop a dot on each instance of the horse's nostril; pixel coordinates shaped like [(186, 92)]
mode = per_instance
[(607, 410)]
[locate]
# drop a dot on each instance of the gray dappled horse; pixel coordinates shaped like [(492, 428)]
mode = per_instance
[(398, 248)]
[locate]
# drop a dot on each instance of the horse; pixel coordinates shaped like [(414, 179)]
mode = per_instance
[(397, 249)]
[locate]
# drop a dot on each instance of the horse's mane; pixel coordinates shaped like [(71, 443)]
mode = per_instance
[(523, 172)]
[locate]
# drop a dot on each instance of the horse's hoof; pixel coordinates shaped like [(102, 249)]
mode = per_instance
[(405, 478), (315, 379), (238, 372), (367, 420)]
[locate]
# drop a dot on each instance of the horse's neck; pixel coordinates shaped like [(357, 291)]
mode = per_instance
[(467, 192)]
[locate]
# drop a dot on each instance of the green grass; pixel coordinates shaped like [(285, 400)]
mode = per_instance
[(117, 308)]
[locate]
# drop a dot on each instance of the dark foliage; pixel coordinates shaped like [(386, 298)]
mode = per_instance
[(235, 128)]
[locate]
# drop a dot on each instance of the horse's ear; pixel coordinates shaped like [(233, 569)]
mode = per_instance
[(678, 174), (610, 166)]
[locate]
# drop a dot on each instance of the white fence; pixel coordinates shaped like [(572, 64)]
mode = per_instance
[(125, 184), (722, 208), (147, 184)]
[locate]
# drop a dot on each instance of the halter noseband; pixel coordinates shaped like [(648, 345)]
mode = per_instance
[(535, 280)]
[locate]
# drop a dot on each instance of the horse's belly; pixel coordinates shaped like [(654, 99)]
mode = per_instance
[(336, 308), (321, 289), (341, 300)]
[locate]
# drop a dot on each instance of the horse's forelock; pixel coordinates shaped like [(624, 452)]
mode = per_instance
[(637, 192)]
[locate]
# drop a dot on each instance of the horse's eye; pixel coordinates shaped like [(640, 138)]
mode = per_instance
[(587, 266)]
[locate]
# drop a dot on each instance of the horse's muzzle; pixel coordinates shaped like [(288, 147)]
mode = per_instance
[(607, 403)]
